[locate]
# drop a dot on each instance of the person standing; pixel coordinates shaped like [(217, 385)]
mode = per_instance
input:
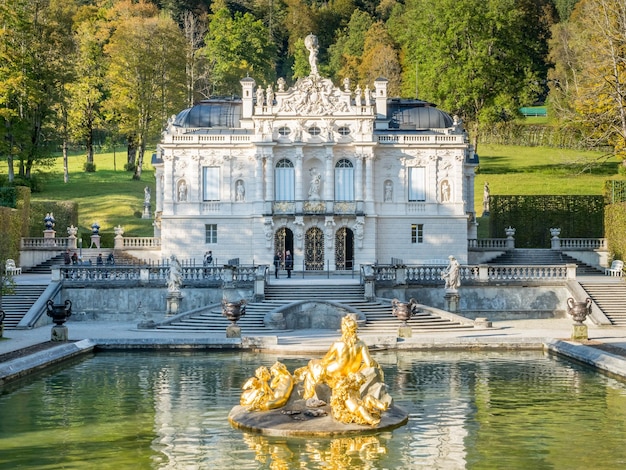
[(288, 263), (67, 259), (276, 264)]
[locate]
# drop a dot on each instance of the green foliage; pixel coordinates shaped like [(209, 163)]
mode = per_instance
[(8, 196), (89, 167), (615, 229), (238, 46), (615, 191), (533, 216)]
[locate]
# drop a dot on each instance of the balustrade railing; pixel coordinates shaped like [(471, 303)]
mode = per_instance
[(432, 274), (42, 243), (147, 243), (583, 243), (157, 274), (487, 243)]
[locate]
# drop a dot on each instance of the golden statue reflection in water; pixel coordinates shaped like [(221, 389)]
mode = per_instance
[(347, 377), (344, 453)]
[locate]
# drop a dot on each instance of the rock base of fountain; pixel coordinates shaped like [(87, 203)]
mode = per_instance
[(296, 419), (173, 303)]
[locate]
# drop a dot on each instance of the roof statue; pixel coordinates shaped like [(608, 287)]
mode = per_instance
[(312, 45)]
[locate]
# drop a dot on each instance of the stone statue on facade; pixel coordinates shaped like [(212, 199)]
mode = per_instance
[(316, 183), (182, 191), (269, 95), (240, 192), (388, 191)]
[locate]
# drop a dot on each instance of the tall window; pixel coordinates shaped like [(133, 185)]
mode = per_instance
[(211, 183), (344, 180), (285, 181), (417, 233), (417, 184), (210, 231)]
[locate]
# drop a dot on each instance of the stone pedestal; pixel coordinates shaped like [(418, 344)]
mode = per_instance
[(580, 333), (173, 303), (95, 241), (233, 331), (59, 333), (49, 236), (405, 332), (146, 211), (452, 299)]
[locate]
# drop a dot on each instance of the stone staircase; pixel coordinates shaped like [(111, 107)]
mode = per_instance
[(17, 304), (379, 319), (46, 266), (542, 256), (610, 297)]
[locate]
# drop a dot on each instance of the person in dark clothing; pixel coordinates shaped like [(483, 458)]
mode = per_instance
[(276, 264), (99, 260), (288, 263), (67, 259), (74, 258), (110, 259)]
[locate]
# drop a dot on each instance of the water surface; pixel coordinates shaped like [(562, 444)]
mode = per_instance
[(487, 410)]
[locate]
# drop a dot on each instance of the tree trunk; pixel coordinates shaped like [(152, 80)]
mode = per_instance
[(131, 154), (10, 169), (66, 171), (142, 150), (89, 144)]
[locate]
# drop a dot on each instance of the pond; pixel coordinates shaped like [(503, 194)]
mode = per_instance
[(467, 410)]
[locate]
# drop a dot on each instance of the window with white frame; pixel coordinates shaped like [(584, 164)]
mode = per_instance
[(344, 180), (211, 183), (284, 180), (417, 233), (417, 184), (210, 231)]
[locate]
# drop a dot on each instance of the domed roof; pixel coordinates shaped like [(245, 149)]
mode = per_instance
[(417, 115), (215, 112)]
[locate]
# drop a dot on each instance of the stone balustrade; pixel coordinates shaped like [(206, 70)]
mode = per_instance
[(141, 243), (431, 274), (44, 243), (583, 244)]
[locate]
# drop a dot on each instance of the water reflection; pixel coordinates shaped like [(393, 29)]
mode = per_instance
[(169, 411)]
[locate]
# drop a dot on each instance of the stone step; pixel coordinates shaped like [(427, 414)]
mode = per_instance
[(610, 298), (18, 303)]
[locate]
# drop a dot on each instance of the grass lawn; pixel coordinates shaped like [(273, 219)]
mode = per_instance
[(512, 170), (110, 196)]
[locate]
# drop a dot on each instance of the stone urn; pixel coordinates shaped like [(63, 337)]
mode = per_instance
[(579, 310), (403, 311), (59, 312), (234, 310)]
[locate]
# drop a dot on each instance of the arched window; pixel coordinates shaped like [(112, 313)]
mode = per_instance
[(314, 130), (344, 180), (344, 130), (284, 131), (284, 180)]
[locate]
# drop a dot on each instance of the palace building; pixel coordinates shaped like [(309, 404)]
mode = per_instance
[(338, 176)]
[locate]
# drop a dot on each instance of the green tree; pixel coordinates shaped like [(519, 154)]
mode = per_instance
[(589, 78), (238, 46), (35, 43), (475, 59), (86, 92), (346, 53), (145, 78)]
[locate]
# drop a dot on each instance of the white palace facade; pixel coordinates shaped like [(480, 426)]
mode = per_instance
[(338, 176)]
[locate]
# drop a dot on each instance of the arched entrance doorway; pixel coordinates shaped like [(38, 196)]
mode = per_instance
[(344, 249), (283, 241), (314, 250)]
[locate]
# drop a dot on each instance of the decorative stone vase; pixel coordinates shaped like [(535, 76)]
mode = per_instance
[(233, 311), (579, 310), (59, 312), (403, 311)]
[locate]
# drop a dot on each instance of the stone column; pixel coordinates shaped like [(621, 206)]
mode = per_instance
[(269, 177), (299, 188), (358, 177), (329, 177), (369, 178), (258, 177)]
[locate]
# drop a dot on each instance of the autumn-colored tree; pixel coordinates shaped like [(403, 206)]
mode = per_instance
[(347, 51), (380, 59), (589, 78), (145, 79)]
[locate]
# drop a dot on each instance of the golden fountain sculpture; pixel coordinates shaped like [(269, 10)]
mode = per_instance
[(347, 378)]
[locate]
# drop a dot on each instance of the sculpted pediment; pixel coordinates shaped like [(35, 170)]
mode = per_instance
[(313, 96)]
